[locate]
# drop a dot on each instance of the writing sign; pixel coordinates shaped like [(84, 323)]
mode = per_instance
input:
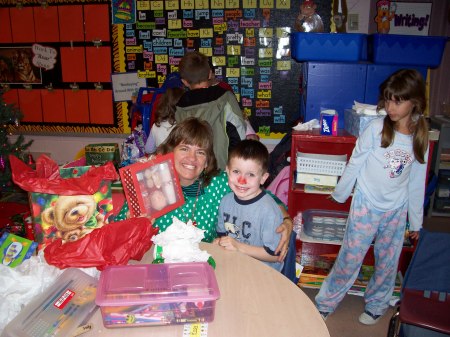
[(124, 85), (410, 18)]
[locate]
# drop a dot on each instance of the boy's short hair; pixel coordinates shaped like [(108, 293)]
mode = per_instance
[(250, 149), (194, 68)]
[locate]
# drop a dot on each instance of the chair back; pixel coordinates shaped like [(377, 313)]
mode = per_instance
[(429, 268)]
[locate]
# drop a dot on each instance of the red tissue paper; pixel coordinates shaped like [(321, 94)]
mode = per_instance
[(110, 245), (47, 179)]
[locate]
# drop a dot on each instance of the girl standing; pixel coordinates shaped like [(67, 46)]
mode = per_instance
[(164, 119), (388, 169)]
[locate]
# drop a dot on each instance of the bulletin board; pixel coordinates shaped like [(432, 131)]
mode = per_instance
[(247, 41)]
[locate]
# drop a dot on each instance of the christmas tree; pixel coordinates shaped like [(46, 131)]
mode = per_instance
[(10, 117)]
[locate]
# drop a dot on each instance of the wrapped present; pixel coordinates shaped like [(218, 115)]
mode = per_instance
[(65, 209), (100, 154)]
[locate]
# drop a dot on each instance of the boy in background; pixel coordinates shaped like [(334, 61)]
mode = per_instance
[(214, 104), (248, 216)]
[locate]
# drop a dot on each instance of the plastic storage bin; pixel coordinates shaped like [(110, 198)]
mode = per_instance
[(333, 165), (328, 47), (157, 294), (325, 225), (406, 49), (59, 310)]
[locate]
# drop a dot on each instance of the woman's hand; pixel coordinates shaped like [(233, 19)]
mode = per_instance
[(285, 229)]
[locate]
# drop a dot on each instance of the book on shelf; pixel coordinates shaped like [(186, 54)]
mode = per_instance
[(445, 155), (358, 288), (316, 179), (318, 189), (15, 249)]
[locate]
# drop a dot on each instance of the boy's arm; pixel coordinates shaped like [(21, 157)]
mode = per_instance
[(285, 228), (260, 253)]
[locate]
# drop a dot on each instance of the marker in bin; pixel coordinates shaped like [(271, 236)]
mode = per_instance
[(329, 122)]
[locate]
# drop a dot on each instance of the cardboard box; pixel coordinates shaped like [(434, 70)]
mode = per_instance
[(356, 123), (100, 154), (329, 123), (152, 188), (157, 294)]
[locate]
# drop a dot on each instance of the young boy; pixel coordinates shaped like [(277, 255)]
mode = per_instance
[(218, 106), (248, 216)]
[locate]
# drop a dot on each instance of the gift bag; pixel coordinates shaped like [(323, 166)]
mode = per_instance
[(65, 209), (110, 245)]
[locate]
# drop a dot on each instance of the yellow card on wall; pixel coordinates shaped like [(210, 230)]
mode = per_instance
[(283, 4), (266, 3), (156, 5), (233, 72), (187, 4), (249, 3), (172, 5)]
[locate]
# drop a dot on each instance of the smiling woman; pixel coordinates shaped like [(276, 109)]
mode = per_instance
[(203, 184)]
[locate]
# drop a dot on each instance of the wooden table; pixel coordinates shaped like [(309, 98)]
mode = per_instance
[(255, 300)]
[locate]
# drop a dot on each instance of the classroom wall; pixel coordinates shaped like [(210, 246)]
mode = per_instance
[(64, 148)]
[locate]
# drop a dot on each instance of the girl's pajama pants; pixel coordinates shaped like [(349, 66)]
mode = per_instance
[(365, 224)]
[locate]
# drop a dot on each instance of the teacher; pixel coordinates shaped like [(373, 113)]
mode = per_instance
[(203, 184)]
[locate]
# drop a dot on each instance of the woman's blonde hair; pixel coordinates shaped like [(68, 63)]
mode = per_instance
[(406, 85), (193, 131)]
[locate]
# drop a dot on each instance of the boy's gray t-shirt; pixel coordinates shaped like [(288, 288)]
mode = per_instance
[(253, 222)]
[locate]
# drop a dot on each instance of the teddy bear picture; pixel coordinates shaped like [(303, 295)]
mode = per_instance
[(73, 217)]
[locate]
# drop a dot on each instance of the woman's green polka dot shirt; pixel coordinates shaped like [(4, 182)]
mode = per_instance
[(206, 208)]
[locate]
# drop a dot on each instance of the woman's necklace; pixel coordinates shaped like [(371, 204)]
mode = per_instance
[(192, 218)]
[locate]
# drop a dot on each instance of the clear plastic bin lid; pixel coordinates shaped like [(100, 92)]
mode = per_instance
[(157, 283), (59, 310)]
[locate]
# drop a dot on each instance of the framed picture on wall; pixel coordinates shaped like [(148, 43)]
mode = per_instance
[(16, 66)]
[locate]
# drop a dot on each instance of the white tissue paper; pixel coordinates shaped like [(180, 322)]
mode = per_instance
[(367, 109), (23, 283), (312, 124), (180, 243)]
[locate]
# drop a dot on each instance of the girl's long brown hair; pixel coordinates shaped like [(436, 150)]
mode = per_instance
[(167, 106), (406, 85), (193, 131)]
